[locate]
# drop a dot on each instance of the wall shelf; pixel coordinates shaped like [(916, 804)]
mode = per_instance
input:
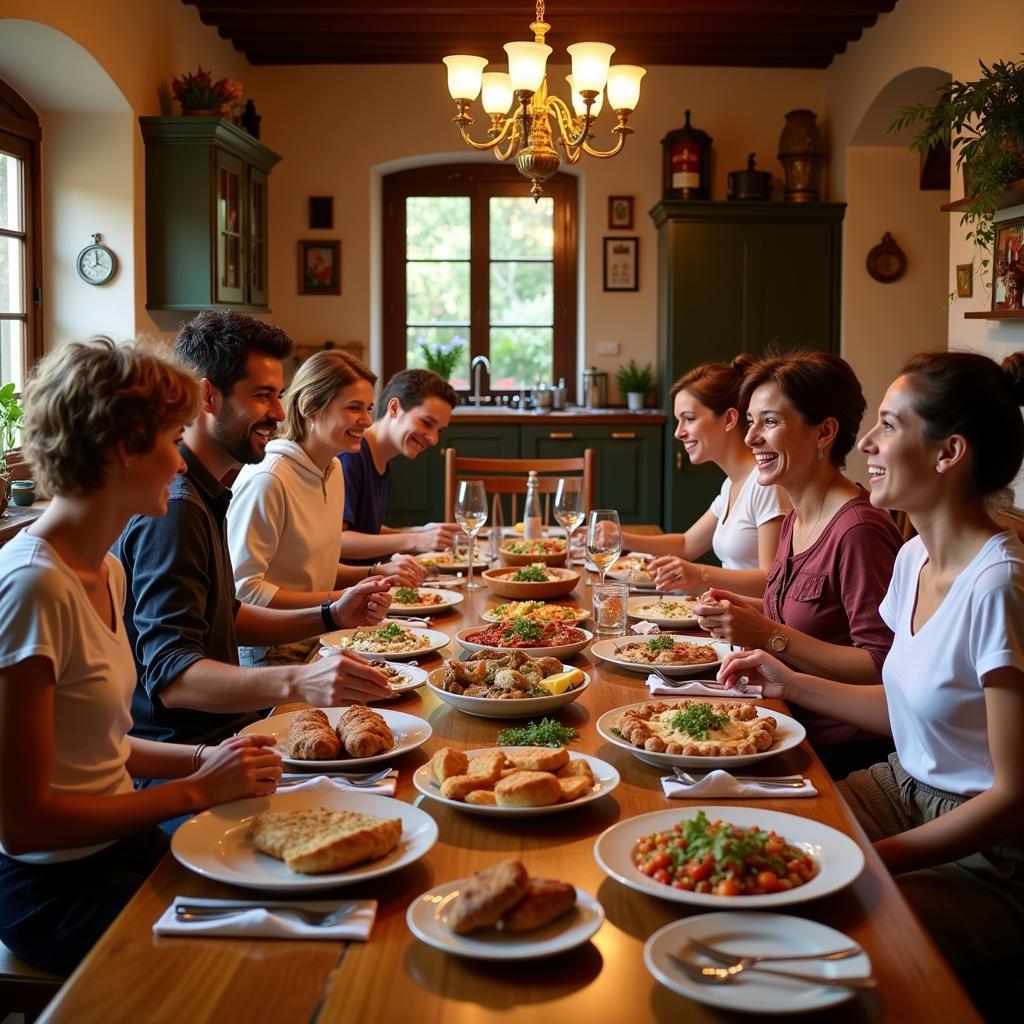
[(996, 314), (1013, 196)]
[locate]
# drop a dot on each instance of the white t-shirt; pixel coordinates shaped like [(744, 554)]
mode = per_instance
[(46, 613), (284, 524), (934, 679), (735, 540)]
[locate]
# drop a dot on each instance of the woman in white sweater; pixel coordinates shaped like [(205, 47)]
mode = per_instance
[(284, 519), (946, 812)]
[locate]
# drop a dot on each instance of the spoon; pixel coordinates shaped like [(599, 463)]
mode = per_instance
[(724, 957), (710, 975)]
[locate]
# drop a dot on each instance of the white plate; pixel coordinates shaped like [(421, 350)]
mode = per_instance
[(606, 778), (411, 677), (757, 934), (460, 564), (427, 914), (447, 600), (409, 731), (581, 613), (789, 733), (490, 707), (436, 639), (607, 650), (632, 568), (673, 622), (840, 859), (558, 651), (215, 845)]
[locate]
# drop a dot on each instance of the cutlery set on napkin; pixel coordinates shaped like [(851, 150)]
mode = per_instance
[(383, 783), (269, 919), (721, 785)]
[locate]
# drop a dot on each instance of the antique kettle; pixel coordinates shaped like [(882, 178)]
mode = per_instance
[(750, 184)]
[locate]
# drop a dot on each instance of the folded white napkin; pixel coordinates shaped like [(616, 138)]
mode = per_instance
[(410, 620), (643, 627), (386, 787), (695, 688), (265, 924), (721, 785)]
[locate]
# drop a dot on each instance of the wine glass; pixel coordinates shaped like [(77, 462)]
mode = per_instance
[(471, 514), (568, 510), (604, 539)]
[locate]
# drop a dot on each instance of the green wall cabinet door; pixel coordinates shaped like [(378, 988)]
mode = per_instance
[(738, 277), (206, 215)]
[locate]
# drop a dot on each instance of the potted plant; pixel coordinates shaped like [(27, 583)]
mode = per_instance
[(443, 357), (634, 382), (200, 95), (983, 124), (10, 417)]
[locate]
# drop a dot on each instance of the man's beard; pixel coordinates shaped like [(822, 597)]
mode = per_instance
[(234, 435)]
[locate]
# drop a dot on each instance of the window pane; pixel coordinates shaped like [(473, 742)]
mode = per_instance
[(522, 293), (443, 339), (12, 353), (519, 355), (12, 275), (437, 228), (11, 204), (437, 293), (521, 228)]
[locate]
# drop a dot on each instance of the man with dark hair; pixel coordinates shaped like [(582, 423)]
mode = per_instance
[(415, 407), (181, 615)]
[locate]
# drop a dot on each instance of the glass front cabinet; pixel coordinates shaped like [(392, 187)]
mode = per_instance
[(206, 214)]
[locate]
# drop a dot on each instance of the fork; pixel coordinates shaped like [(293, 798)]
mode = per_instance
[(711, 684), (692, 780), (316, 918), (748, 960), (351, 779)]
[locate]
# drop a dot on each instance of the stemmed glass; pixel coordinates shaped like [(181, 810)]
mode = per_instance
[(568, 510), (471, 514), (604, 539)]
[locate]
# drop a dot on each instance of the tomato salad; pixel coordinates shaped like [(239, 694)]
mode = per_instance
[(723, 859)]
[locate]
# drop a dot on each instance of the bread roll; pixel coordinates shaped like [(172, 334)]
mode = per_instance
[(528, 789), (486, 895), (448, 762), (539, 759), (363, 732), (311, 738), (545, 900)]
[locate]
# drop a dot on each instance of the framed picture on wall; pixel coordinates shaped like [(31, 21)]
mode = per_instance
[(964, 280), (620, 264), (1008, 265), (320, 267), (620, 213)]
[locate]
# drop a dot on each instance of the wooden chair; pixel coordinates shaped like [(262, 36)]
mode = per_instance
[(508, 476), (24, 989)]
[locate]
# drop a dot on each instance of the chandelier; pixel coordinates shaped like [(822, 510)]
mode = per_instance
[(527, 135)]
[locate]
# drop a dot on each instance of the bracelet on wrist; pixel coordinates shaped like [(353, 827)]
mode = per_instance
[(197, 756)]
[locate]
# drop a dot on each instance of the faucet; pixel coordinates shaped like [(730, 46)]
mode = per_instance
[(479, 362)]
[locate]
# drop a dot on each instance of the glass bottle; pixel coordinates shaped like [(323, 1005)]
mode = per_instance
[(533, 522)]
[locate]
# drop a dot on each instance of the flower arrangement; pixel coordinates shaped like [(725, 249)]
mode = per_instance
[(443, 357), (200, 92)]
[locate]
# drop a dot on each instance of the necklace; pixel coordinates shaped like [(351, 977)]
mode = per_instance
[(812, 529)]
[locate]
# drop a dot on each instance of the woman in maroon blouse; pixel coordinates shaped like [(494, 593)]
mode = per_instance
[(836, 551)]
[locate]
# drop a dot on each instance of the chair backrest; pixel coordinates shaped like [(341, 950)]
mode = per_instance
[(1010, 518), (508, 476)]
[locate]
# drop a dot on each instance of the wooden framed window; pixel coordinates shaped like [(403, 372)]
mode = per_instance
[(472, 264), (20, 270)]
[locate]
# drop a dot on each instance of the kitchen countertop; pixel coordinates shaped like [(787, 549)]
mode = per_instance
[(491, 414)]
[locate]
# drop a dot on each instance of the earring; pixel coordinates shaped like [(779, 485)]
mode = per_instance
[(821, 454)]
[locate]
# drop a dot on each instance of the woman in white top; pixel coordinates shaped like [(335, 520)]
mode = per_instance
[(284, 520), (946, 811), (101, 432), (742, 524)]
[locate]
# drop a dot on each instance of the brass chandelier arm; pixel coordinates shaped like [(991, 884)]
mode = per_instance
[(621, 129), (494, 142), (571, 136)]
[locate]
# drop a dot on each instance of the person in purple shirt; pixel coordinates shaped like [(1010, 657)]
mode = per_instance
[(415, 406), (836, 551)]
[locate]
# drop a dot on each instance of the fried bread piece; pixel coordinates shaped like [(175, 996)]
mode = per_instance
[(481, 796), (489, 765), (539, 759), (544, 901), (578, 769), (448, 762), (487, 895), (311, 738), (573, 788), (318, 840), (528, 789), (363, 732)]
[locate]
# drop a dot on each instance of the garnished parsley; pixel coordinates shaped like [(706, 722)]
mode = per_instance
[(524, 629), (660, 643), (530, 574), (392, 631), (545, 733), (697, 719), (407, 595)]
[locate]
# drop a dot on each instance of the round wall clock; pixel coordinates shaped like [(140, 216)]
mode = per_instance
[(96, 263), (887, 262)]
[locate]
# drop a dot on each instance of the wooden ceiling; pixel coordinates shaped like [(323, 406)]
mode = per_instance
[(732, 33)]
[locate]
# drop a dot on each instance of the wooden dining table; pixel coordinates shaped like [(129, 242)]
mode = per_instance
[(133, 975)]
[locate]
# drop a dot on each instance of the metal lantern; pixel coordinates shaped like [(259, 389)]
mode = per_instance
[(686, 164)]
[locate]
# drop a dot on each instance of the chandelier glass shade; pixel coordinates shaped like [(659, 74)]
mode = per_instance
[(528, 123)]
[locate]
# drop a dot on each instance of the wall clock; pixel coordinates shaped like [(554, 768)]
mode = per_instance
[(887, 262), (96, 263)]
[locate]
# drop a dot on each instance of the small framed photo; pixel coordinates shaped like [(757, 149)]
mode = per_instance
[(320, 267), (321, 213), (1008, 265), (620, 213), (964, 280), (621, 264)]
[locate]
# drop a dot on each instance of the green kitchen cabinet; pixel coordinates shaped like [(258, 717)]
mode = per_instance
[(206, 215), (738, 277), (627, 462)]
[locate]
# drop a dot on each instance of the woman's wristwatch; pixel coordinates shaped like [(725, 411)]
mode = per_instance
[(327, 617), (778, 642)]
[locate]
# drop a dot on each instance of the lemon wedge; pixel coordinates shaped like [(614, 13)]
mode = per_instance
[(519, 527), (561, 681)]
